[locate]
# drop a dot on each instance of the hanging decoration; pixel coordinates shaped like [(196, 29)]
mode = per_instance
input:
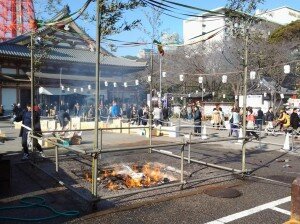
[(252, 75), (200, 79), (181, 78), (224, 78)]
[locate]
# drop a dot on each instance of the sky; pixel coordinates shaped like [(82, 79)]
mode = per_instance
[(169, 25)]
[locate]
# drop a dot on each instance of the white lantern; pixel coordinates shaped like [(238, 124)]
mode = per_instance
[(75, 90), (213, 93), (136, 82), (115, 84), (224, 78), (149, 78), (81, 89), (197, 91), (281, 95), (164, 74), (189, 95), (68, 89), (265, 94), (236, 97), (62, 88), (181, 98), (200, 79), (125, 84), (181, 78), (287, 69), (252, 75), (224, 96), (106, 83), (89, 87)]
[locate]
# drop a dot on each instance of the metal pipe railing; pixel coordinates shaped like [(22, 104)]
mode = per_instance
[(140, 191), (199, 162), (60, 145), (181, 157), (92, 129), (217, 140), (140, 147)]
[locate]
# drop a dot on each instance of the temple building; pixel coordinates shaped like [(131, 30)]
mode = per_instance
[(64, 67)]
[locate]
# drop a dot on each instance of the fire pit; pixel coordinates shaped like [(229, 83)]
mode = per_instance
[(132, 176)]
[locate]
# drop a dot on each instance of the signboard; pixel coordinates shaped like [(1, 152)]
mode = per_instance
[(294, 102), (254, 101)]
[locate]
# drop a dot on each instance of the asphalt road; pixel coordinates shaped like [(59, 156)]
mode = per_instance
[(264, 194)]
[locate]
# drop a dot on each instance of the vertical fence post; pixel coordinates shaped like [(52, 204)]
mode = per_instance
[(260, 129), (101, 142), (94, 173), (189, 147), (56, 159), (181, 165), (293, 132)]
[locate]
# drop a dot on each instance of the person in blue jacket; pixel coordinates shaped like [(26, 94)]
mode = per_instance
[(115, 110)]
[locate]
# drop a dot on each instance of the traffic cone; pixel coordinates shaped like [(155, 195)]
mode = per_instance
[(240, 141), (286, 145), (204, 135)]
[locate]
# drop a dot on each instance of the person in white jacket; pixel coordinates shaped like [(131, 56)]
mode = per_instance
[(157, 115)]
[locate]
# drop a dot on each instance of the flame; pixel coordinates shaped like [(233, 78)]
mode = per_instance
[(131, 183), (156, 175), (146, 169), (152, 176), (147, 181), (112, 186), (88, 177)]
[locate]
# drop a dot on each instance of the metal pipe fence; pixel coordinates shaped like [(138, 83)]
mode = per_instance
[(155, 148)]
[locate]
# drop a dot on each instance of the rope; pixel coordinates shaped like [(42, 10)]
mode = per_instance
[(36, 202)]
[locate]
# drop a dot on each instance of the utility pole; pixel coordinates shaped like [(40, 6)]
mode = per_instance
[(150, 104), (160, 94), (245, 101), (97, 77), (32, 90), (202, 91)]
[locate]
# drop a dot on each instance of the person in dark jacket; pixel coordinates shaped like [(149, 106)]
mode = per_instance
[(259, 118), (165, 113), (295, 120), (197, 120), (63, 117), (25, 117), (270, 115), (140, 115)]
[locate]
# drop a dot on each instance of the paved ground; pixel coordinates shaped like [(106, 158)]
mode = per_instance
[(262, 200)]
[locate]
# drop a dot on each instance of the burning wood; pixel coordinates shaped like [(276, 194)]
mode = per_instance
[(134, 176), (88, 177)]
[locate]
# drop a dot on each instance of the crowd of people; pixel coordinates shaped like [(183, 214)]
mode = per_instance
[(286, 120)]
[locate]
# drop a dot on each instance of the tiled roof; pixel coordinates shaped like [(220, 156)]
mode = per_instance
[(69, 55)]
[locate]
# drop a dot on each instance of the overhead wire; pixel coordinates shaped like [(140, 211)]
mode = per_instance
[(155, 6), (165, 7), (191, 7)]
